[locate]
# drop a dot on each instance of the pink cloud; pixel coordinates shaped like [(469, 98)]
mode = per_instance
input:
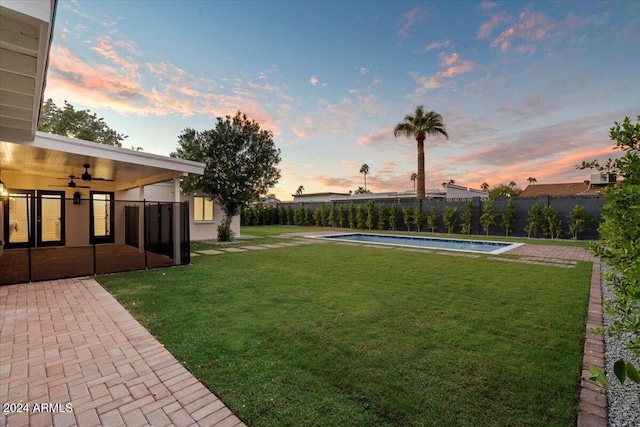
[(408, 20), (487, 5), (452, 65), (313, 80), (487, 28), (116, 81), (522, 33), (437, 45)]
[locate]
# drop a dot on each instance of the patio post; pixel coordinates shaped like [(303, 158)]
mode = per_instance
[(29, 231), (141, 240), (176, 221)]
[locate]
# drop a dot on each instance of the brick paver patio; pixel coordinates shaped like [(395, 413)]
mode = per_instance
[(77, 357)]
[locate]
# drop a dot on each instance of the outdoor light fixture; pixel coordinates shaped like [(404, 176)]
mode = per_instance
[(76, 198)]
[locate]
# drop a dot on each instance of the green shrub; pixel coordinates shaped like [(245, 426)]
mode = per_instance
[(488, 218), (551, 224), (340, 216), (418, 218), (332, 220), (360, 219), (407, 216), (509, 217), (371, 215), (352, 216), (225, 234), (534, 220), (383, 217), (449, 218), (466, 217), (393, 217), (432, 219), (577, 221)]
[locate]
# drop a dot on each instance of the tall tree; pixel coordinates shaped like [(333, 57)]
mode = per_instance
[(414, 177), (364, 169), (241, 163), (80, 124), (419, 125), (300, 190), (532, 180), (484, 186)]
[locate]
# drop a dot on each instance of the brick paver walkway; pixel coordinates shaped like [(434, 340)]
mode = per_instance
[(77, 357)]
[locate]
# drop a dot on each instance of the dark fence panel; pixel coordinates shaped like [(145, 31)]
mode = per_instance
[(76, 256), (562, 205)]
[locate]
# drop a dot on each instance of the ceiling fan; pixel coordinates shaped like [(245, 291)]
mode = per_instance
[(86, 176), (71, 183)]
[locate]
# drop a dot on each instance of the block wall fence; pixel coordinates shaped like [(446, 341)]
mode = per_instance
[(562, 205)]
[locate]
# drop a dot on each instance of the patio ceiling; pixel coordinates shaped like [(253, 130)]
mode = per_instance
[(56, 157), (31, 159), (25, 35)]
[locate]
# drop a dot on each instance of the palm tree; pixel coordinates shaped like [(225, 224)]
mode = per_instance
[(532, 180), (300, 190), (484, 186), (419, 126), (364, 169), (414, 176)]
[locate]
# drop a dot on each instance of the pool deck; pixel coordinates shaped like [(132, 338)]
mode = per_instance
[(70, 341)]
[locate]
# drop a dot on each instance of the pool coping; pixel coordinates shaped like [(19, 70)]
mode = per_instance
[(510, 246)]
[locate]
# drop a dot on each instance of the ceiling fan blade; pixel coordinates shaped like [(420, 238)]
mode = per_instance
[(101, 179)]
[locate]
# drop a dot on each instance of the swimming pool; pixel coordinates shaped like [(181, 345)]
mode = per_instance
[(480, 246)]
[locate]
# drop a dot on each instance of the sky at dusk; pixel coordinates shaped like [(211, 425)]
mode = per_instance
[(525, 89)]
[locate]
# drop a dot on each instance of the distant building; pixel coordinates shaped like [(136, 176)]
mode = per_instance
[(318, 197), (452, 192), (593, 186)]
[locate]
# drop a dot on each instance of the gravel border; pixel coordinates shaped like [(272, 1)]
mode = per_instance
[(624, 409)]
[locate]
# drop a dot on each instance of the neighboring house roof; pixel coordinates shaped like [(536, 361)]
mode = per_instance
[(562, 189), (319, 194)]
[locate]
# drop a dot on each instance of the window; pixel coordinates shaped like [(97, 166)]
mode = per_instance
[(202, 208)]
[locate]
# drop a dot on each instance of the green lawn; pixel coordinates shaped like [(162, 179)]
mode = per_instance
[(334, 335)]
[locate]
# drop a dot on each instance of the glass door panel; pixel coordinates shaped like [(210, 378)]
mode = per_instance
[(51, 218), (20, 210), (101, 217)]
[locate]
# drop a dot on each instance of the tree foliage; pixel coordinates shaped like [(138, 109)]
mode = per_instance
[(80, 124), (619, 237), (551, 224), (509, 217), (241, 162), (407, 217), (534, 220), (419, 125), (488, 217), (449, 218), (504, 191), (432, 219), (577, 221), (465, 218)]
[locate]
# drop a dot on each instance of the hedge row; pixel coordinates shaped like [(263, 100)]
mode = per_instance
[(540, 221)]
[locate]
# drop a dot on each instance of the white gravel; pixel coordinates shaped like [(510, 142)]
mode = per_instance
[(624, 409)]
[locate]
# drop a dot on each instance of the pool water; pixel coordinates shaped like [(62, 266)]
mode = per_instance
[(479, 246)]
